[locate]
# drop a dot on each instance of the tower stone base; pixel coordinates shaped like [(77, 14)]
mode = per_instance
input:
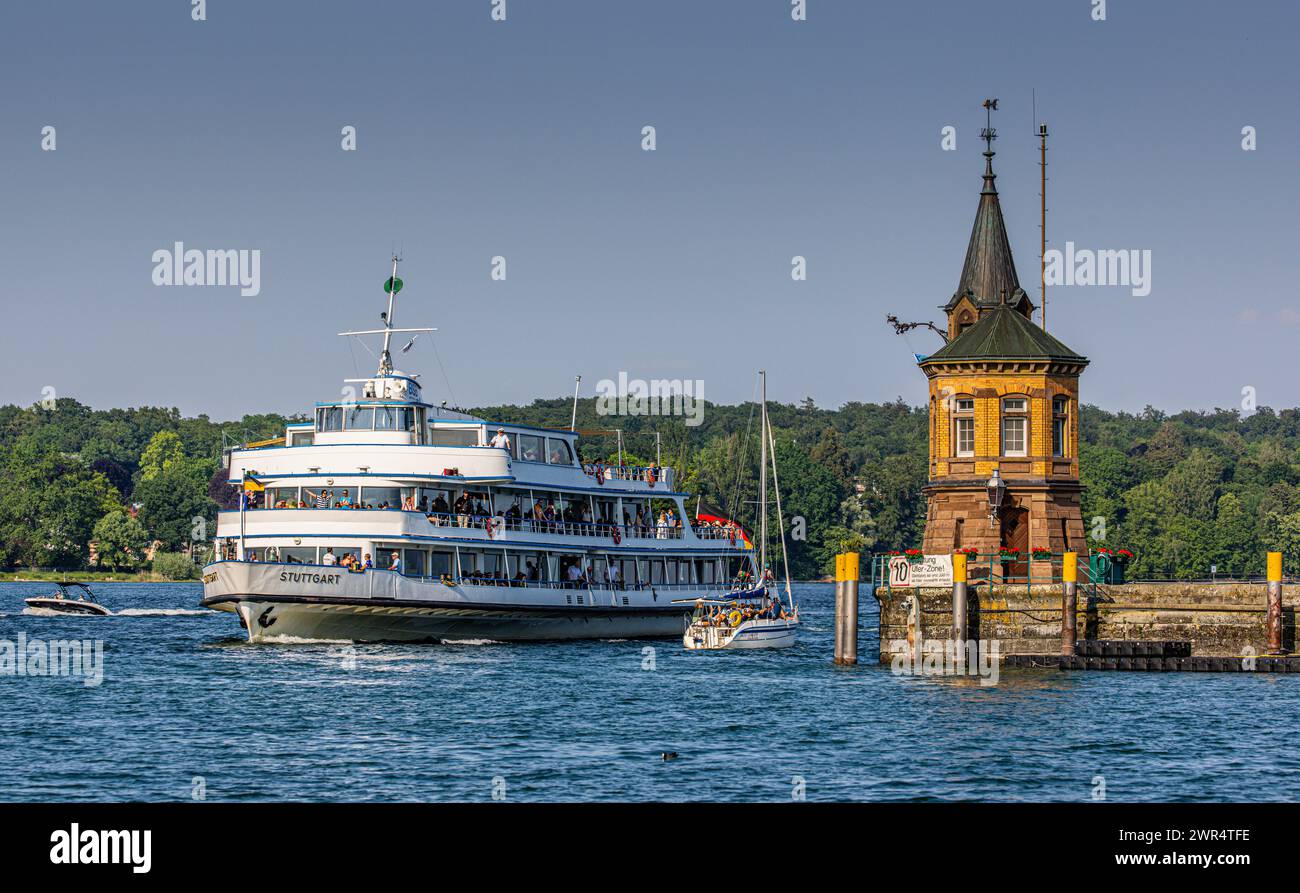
[(1042, 516)]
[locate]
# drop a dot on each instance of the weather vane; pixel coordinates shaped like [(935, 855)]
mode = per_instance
[(988, 134)]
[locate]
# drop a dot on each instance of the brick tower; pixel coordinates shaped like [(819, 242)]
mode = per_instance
[(1004, 405)]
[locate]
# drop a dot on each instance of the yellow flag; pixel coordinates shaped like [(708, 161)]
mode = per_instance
[(253, 485)]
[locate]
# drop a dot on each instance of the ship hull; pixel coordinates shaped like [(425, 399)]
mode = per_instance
[(279, 603)]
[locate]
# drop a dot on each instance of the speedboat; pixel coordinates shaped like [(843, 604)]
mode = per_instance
[(70, 598)]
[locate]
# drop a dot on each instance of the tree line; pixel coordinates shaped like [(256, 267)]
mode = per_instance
[(1185, 492)]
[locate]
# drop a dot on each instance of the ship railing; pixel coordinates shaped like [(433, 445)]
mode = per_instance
[(646, 474), (603, 586), (710, 532), (554, 526)]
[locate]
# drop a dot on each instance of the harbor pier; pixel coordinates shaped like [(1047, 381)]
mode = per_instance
[(1051, 620)]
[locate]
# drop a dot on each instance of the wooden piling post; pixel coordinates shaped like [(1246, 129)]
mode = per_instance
[(959, 610), (1274, 619), (1069, 602)]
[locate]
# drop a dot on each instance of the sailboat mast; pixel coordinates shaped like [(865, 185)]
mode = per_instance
[(762, 480), (780, 520)]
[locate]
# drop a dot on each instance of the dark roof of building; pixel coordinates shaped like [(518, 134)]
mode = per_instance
[(1004, 333), (989, 277)]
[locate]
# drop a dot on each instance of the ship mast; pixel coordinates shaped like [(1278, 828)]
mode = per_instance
[(392, 286)]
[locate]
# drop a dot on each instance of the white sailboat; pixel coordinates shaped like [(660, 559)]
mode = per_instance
[(759, 619)]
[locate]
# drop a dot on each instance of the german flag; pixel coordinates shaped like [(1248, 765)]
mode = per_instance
[(708, 513)]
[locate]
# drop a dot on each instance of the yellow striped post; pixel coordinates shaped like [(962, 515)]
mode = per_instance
[(849, 654), (1069, 603), (840, 561), (960, 611), (1274, 619)]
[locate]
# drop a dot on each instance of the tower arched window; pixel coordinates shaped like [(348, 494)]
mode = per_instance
[(963, 426), (1015, 426)]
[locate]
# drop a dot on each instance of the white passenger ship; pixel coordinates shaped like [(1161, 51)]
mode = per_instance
[(464, 539)]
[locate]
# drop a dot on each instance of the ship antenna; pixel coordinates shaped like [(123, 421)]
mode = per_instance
[(392, 286)]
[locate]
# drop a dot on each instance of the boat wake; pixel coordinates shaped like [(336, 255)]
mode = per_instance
[(299, 640), (162, 612)]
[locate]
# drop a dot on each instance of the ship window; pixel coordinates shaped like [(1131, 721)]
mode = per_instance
[(387, 418), (413, 562), (656, 570), (361, 418), (453, 437), (298, 554), (329, 418), (439, 563), (380, 497), (558, 452), (282, 497), (339, 552), (302, 438), (530, 448)]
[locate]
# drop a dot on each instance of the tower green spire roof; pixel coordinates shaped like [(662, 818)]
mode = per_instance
[(1004, 334), (988, 277)]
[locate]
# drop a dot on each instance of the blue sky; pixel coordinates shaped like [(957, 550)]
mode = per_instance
[(522, 139)]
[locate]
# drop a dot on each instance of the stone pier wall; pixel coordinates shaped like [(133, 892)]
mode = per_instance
[(1222, 619)]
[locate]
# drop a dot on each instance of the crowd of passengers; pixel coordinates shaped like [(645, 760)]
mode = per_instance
[(726, 615), (468, 510)]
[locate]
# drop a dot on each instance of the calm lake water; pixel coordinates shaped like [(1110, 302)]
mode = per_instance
[(184, 697)]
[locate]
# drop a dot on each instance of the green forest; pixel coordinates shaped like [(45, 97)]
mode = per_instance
[(1183, 492)]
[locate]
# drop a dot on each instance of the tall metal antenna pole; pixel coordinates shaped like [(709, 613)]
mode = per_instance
[(1042, 224), (573, 419)]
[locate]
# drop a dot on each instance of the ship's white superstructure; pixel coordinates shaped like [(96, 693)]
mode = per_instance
[(387, 518)]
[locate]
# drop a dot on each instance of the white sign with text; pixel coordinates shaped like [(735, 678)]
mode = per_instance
[(908, 573)]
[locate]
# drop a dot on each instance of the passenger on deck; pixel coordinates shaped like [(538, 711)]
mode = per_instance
[(463, 507), (440, 509), (396, 565), (501, 440), (328, 558), (345, 500), (321, 498), (367, 564)]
